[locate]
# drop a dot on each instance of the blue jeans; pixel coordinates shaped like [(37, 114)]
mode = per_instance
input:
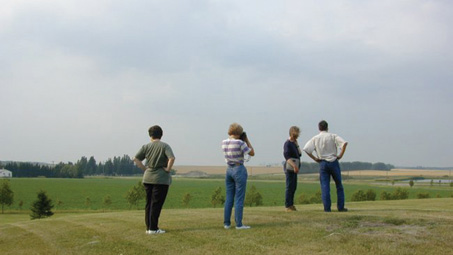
[(236, 184), (326, 170), (291, 186)]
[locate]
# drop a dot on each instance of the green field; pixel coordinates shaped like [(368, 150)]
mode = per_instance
[(73, 193), (417, 226)]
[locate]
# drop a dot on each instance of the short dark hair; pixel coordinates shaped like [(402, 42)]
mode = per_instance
[(323, 126), (155, 132)]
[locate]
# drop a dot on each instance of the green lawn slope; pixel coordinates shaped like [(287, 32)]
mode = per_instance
[(422, 226)]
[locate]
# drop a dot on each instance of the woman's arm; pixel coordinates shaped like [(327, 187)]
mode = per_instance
[(252, 151), (170, 163), (139, 164)]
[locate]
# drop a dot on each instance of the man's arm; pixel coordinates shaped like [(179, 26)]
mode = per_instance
[(139, 164), (343, 149), (313, 157)]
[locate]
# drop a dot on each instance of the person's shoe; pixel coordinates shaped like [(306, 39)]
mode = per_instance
[(343, 210), (226, 227), (243, 227), (294, 208), (159, 231), (290, 209)]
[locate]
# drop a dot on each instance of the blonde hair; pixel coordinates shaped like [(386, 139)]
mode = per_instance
[(294, 130), (235, 129)]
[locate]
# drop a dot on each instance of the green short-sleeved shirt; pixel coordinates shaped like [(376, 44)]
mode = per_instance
[(157, 154)]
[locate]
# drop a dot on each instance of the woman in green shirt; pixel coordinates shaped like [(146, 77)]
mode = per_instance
[(156, 177)]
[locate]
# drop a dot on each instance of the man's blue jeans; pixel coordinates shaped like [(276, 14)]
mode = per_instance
[(291, 186), (326, 170), (236, 184)]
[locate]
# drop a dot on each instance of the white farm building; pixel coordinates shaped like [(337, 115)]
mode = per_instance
[(5, 173)]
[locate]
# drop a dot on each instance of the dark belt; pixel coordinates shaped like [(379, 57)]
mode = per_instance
[(235, 164)]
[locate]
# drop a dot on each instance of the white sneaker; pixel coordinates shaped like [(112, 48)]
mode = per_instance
[(226, 227), (243, 227), (152, 232)]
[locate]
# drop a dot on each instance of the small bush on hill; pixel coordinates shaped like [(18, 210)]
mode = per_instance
[(253, 197), (135, 194), (217, 198), (370, 195), (386, 195), (186, 199), (302, 199), (398, 194), (42, 207), (422, 195), (360, 195)]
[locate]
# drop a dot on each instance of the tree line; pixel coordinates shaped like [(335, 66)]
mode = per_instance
[(348, 166), (118, 166), (124, 166)]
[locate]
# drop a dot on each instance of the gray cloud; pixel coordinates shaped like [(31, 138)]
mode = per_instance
[(87, 78)]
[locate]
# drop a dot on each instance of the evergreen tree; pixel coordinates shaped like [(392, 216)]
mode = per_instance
[(186, 199), (91, 166), (42, 207), (6, 194), (135, 194), (253, 197), (217, 198)]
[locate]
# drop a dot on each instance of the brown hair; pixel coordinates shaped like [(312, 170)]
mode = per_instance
[(294, 130), (235, 129)]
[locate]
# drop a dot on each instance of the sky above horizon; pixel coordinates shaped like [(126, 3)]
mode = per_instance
[(88, 78)]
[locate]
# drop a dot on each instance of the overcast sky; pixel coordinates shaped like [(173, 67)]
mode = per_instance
[(88, 78)]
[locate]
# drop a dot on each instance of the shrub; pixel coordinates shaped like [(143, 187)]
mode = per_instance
[(42, 207), (370, 195), (359, 195), (317, 198), (217, 198), (107, 201), (88, 202), (253, 197), (386, 195), (411, 183), (400, 193), (186, 199), (302, 199), (135, 194), (6, 194), (422, 195)]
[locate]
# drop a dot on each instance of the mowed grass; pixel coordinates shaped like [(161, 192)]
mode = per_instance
[(421, 226), (74, 193)]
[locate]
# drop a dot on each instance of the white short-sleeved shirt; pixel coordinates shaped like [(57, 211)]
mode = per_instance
[(326, 145)]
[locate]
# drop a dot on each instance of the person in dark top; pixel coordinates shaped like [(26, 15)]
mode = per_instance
[(292, 154)]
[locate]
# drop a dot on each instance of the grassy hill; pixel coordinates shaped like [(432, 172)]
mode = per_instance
[(422, 226)]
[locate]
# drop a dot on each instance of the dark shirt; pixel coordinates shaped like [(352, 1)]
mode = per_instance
[(290, 150)]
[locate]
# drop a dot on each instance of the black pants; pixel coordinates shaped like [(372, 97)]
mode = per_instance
[(155, 199)]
